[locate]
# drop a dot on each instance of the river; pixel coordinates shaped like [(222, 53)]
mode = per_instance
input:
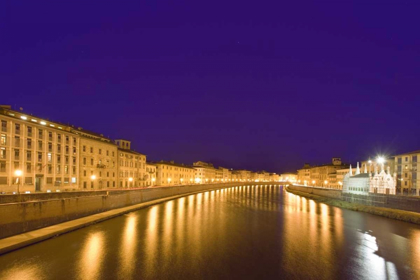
[(244, 232)]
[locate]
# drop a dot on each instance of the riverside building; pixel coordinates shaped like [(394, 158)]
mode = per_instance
[(131, 166), (169, 173), (204, 172), (151, 174), (365, 182), (407, 171), (98, 161), (37, 154)]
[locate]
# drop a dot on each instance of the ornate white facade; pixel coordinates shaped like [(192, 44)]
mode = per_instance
[(365, 183)]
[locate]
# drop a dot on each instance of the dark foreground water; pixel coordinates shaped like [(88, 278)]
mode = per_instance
[(254, 232)]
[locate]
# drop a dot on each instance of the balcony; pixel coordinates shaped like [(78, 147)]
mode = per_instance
[(100, 166)]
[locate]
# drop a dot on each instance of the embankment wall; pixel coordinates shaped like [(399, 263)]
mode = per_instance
[(24, 216)]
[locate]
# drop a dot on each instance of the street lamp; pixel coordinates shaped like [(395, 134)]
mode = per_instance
[(182, 179), (130, 180), (18, 173), (325, 183)]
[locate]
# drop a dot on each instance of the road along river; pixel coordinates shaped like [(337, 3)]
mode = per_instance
[(248, 232)]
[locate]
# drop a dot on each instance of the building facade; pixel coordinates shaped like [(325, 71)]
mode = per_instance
[(408, 173), (169, 173), (36, 154), (151, 174), (364, 182), (98, 161), (205, 173), (131, 166)]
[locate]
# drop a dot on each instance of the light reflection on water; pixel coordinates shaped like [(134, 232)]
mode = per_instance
[(92, 254), (242, 232)]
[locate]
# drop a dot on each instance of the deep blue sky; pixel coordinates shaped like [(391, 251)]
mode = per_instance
[(264, 85)]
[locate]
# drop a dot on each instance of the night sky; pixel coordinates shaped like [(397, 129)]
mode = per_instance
[(261, 85)]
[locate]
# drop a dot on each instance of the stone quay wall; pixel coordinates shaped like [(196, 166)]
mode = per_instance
[(400, 202), (332, 193), (24, 216)]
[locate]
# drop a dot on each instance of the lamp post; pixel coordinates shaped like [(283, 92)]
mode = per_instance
[(18, 173), (131, 181)]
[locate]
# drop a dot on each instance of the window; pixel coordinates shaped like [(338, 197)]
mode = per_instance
[(40, 133), (74, 150), (50, 136), (91, 185), (67, 149), (29, 131), (112, 153), (2, 166), (74, 160), (58, 159), (58, 148), (50, 147), (74, 141), (406, 158), (3, 153), (49, 157), (28, 180), (66, 169), (39, 145), (58, 169), (28, 168), (59, 138), (399, 160), (16, 154), (3, 140), (91, 149), (91, 161), (414, 159), (28, 155), (49, 169), (66, 160), (84, 185), (17, 128), (107, 152), (17, 141), (107, 174), (100, 151), (39, 156), (74, 170), (84, 161), (84, 150), (4, 126), (67, 140), (49, 180), (84, 172)]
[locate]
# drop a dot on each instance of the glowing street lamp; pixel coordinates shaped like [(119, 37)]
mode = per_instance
[(380, 160), (93, 177), (130, 179), (18, 173)]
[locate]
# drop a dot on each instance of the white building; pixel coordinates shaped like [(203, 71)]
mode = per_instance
[(365, 183)]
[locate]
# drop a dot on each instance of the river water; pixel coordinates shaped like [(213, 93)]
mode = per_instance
[(248, 232)]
